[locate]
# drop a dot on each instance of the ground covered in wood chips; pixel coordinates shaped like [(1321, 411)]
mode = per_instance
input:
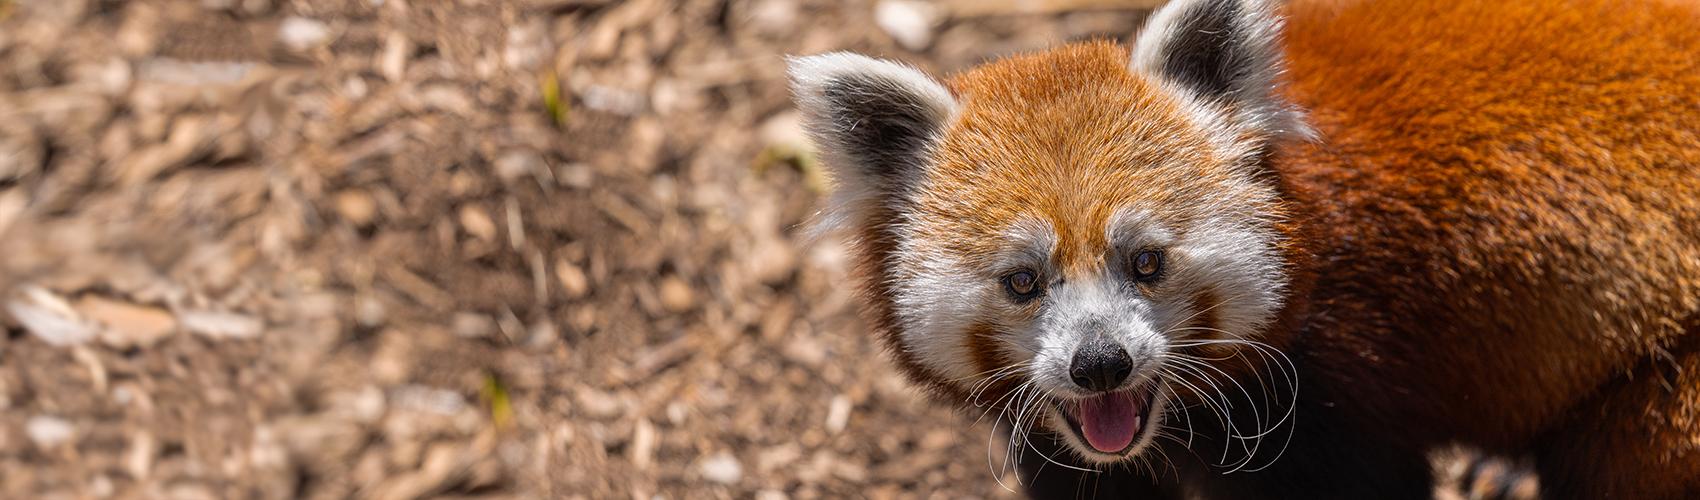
[(399, 249)]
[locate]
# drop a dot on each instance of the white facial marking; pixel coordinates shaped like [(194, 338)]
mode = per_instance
[(1240, 264), (1083, 308), (1031, 241), (938, 299), (1131, 229)]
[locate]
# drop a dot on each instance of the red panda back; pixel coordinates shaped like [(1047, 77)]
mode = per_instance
[(1506, 200)]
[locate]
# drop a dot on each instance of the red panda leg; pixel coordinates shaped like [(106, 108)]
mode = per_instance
[(1638, 439)]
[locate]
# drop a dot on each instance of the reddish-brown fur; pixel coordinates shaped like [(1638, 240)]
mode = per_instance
[(1060, 141), (1509, 226), (1496, 239)]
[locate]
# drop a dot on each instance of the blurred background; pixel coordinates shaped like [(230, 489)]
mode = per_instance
[(470, 249)]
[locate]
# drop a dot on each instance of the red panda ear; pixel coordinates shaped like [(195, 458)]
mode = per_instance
[(873, 121), (1226, 53)]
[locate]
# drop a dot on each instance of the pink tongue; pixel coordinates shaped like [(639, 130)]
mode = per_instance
[(1110, 421)]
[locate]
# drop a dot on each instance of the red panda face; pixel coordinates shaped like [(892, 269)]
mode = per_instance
[(1061, 234)]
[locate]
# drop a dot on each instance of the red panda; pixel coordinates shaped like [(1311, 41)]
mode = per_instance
[(1283, 251)]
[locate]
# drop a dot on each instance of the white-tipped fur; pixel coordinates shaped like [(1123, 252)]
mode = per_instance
[(1245, 35), (855, 185)]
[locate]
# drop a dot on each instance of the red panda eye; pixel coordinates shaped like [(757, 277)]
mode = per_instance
[(1021, 285), (1147, 266)]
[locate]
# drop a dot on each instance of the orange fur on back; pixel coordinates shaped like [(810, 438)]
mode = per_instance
[(1506, 203), (1464, 162)]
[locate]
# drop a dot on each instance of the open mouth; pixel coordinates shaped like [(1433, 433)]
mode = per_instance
[(1111, 422)]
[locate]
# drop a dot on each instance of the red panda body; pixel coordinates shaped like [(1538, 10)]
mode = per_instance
[(1506, 222), (1458, 221)]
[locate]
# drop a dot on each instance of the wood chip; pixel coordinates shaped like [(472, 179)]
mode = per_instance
[(676, 295), (125, 325), (477, 222), (219, 325), (573, 279), (50, 318)]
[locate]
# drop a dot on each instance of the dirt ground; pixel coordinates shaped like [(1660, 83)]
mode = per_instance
[(436, 248)]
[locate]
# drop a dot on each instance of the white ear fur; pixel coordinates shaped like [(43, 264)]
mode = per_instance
[(1226, 53), (873, 121)]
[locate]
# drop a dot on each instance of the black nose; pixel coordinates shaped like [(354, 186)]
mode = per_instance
[(1100, 365)]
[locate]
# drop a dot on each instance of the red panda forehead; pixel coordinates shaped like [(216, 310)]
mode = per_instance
[(1075, 95), (1044, 75), (1068, 137)]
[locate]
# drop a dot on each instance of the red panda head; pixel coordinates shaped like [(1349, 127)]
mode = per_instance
[(1064, 231)]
